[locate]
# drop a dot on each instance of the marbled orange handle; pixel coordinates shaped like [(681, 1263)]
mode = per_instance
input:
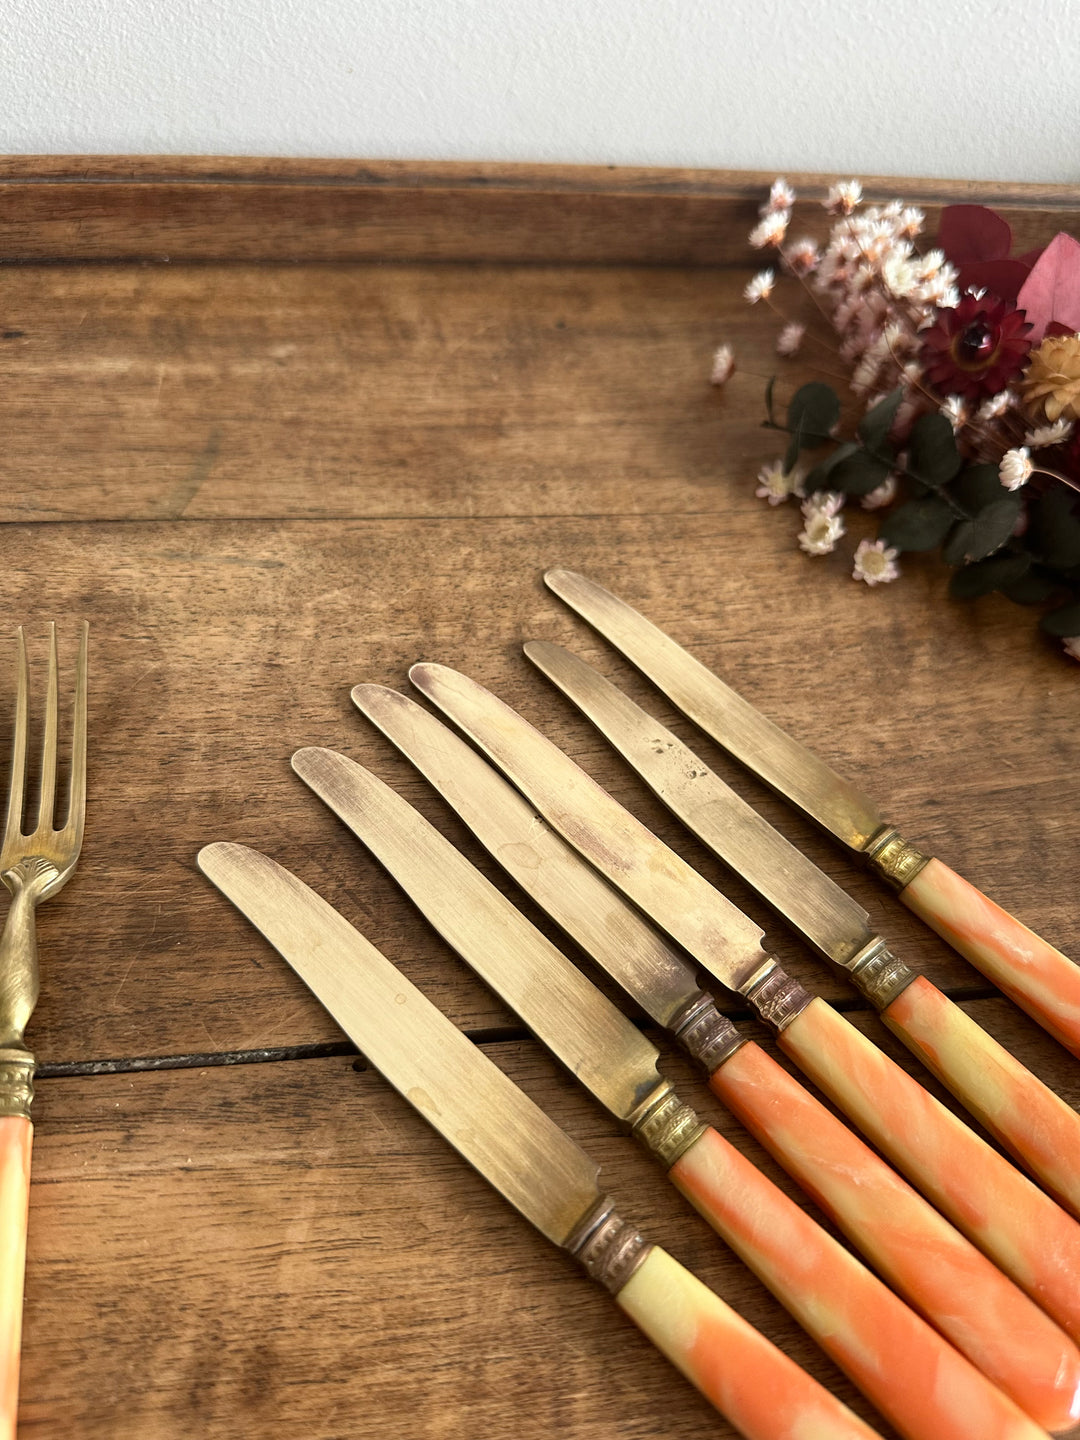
[(764, 1394), (1039, 978), (924, 1387), (1031, 1122), (987, 1317), (16, 1136), (1001, 1210)]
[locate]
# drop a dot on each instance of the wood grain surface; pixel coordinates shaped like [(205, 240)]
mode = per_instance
[(278, 466)]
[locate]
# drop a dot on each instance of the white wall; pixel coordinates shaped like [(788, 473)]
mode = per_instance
[(975, 89)]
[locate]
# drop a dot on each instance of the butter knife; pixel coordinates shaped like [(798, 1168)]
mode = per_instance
[(527, 1158), (1039, 978), (1019, 1226), (1025, 1115), (921, 1255), (903, 1366)]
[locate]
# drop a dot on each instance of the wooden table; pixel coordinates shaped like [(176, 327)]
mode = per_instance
[(277, 428)]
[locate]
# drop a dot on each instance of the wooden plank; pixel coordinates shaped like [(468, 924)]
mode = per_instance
[(168, 209), (316, 391), (218, 648)]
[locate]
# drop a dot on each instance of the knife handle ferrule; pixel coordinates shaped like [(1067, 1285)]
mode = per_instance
[(16, 1082), (665, 1126), (775, 996), (608, 1247), (708, 1037), (877, 974), (892, 857)]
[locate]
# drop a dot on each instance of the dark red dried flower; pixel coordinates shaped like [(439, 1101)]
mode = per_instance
[(975, 348)]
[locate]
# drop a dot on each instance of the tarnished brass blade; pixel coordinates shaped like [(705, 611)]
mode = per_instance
[(828, 918), (788, 767), (467, 1098), (719, 936), (579, 1024), (606, 926)]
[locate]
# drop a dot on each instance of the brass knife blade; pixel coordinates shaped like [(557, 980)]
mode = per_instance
[(785, 765), (458, 1090), (592, 912), (675, 895), (834, 924), (579, 1024)]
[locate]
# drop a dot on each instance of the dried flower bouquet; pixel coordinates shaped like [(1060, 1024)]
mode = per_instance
[(967, 363)]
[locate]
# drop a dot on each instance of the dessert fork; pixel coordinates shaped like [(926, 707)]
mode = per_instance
[(33, 866)]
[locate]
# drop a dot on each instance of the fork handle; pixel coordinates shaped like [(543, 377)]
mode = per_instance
[(16, 1137)]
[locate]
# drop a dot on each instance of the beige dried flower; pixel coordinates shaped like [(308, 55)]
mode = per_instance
[(1052, 379), (723, 366)]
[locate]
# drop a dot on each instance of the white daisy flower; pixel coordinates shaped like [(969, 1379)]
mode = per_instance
[(781, 196), (996, 405), (760, 287), (843, 198), (723, 366), (770, 231), (1016, 468), (790, 338), (823, 527), (1044, 435), (775, 484), (875, 563), (883, 495), (956, 411), (1072, 646)]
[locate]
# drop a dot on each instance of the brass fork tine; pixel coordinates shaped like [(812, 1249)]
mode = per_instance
[(73, 826), (48, 749), (17, 790)]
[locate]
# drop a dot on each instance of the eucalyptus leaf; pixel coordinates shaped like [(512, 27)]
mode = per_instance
[(984, 533), (859, 473), (980, 578), (1034, 588), (1065, 621), (976, 487), (769, 388), (818, 478), (813, 413), (919, 524), (873, 429), (932, 453), (1057, 527)]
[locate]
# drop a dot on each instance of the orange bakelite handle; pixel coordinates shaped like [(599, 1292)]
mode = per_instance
[(16, 1136), (942, 1274), (1010, 1219), (1037, 977), (924, 1387), (1031, 1122), (763, 1393)]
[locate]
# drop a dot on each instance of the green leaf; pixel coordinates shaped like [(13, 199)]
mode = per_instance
[(813, 413), (932, 453), (920, 524), (984, 533), (791, 454), (873, 429), (976, 487), (1065, 621), (1034, 588), (858, 473), (1057, 527), (980, 578), (818, 478), (769, 388)]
